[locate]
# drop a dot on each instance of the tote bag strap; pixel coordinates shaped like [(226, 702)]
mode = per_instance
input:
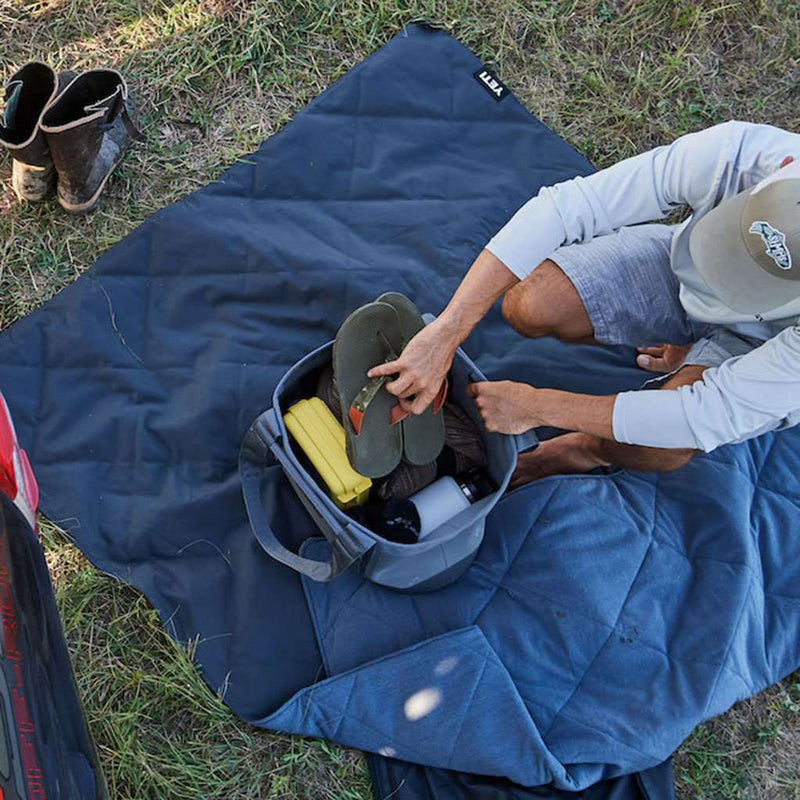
[(261, 448)]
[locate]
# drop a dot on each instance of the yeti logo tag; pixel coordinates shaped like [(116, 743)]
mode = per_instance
[(775, 242), (493, 85)]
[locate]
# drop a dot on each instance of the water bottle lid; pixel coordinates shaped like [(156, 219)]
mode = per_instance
[(470, 490)]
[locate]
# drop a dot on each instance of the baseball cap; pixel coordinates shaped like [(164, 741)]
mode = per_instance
[(747, 249)]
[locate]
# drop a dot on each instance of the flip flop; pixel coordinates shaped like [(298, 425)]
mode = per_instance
[(371, 335), (423, 434)]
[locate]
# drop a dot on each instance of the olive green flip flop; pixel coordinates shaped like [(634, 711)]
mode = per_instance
[(423, 434), (371, 335)]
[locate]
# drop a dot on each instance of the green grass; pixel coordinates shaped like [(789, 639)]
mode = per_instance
[(215, 77)]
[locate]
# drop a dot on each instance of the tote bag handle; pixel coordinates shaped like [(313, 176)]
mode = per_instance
[(261, 448)]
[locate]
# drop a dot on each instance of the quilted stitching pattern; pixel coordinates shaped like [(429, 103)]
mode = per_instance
[(132, 388)]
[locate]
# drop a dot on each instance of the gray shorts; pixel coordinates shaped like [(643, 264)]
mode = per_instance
[(630, 293)]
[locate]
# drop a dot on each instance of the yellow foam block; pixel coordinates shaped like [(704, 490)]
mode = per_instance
[(321, 438)]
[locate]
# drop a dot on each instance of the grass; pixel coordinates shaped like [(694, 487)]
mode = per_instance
[(215, 77)]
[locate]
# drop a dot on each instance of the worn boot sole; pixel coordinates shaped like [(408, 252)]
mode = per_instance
[(32, 184), (89, 205)]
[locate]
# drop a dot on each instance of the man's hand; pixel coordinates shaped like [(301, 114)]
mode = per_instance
[(421, 367), (662, 357), (506, 406)]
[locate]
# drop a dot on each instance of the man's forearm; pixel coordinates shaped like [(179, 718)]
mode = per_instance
[(487, 279), (586, 413)]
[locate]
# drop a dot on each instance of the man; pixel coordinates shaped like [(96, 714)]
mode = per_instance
[(722, 290)]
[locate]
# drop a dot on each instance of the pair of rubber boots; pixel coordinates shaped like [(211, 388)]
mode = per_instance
[(69, 129)]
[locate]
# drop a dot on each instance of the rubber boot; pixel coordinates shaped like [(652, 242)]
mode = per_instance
[(88, 129), (27, 96)]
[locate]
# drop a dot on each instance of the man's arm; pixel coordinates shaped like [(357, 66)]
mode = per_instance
[(639, 189), (511, 407), (738, 400), (636, 190), (486, 280), (691, 171)]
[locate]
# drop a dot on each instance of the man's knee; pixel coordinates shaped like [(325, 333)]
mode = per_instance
[(524, 312), (547, 304)]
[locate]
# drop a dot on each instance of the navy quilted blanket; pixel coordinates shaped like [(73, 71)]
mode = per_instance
[(604, 617)]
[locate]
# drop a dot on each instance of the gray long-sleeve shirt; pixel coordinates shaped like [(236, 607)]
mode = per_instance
[(745, 396)]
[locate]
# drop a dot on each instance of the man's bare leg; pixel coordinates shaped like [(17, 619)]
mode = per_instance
[(578, 452), (547, 304)]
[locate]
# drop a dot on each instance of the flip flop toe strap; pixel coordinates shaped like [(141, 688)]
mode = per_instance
[(362, 400), (370, 389), (359, 406), (398, 415)]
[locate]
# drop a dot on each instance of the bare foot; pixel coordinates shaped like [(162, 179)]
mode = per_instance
[(568, 454)]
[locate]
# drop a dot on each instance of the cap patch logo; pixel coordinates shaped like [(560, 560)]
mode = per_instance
[(775, 242)]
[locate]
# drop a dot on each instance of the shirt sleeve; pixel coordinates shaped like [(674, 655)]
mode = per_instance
[(743, 398), (639, 189)]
